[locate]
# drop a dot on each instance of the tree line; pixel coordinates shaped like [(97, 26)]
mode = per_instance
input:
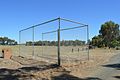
[(109, 36), (7, 41), (55, 43)]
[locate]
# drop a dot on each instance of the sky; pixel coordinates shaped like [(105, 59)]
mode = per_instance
[(16, 15)]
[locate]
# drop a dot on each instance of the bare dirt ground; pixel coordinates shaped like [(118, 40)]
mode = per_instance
[(22, 68)]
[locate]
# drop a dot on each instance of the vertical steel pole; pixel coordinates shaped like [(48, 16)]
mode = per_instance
[(33, 53), (59, 63), (42, 44), (19, 42), (88, 41)]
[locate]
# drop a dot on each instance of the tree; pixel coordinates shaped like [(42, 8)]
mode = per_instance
[(110, 32), (114, 43), (97, 41), (109, 35), (55, 43), (7, 41)]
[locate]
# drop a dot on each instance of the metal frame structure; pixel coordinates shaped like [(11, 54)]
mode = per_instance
[(58, 31)]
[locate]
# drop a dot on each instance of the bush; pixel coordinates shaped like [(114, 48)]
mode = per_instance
[(117, 48)]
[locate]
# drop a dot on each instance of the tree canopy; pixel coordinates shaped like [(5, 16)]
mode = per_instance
[(109, 35), (55, 43), (7, 41)]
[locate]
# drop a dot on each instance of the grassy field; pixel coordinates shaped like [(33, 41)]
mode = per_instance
[(67, 53), (75, 62)]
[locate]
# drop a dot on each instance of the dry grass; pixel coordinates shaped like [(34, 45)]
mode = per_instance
[(76, 63)]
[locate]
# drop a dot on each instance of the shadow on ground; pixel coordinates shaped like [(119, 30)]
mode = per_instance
[(24, 72), (39, 68), (71, 77), (116, 66), (118, 77)]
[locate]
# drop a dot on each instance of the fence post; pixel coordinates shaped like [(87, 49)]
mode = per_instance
[(88, 42), (59, 44), (19, 42), (42, 44), (33, 54)]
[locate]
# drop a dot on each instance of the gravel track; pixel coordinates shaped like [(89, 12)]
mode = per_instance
[(109, 70)]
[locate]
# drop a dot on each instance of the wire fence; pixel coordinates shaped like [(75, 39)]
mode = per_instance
[(58, 40)]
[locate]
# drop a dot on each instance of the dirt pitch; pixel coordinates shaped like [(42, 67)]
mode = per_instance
[(22, 68)]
